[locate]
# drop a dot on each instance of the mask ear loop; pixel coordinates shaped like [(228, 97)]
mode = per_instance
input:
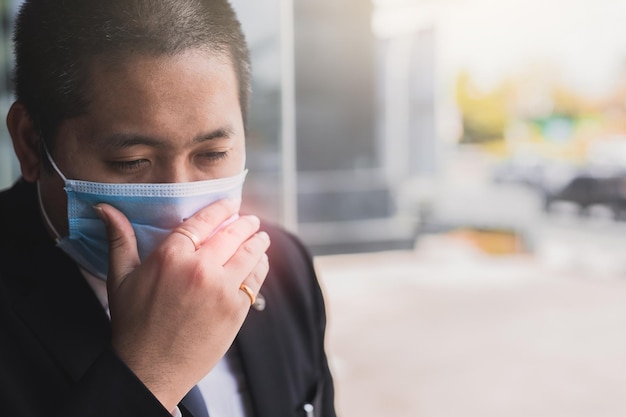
[(54, 165), (41, 205)]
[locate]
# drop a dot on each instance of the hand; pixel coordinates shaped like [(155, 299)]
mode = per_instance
[(175, 315)]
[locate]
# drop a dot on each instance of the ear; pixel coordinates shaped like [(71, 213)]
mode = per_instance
[(26, 141)]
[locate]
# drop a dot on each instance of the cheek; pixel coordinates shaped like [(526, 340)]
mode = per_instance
[(54, 201)]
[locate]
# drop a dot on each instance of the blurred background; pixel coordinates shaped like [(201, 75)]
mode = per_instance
[(458, 169)]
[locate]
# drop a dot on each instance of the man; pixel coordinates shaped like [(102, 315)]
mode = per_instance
[(123, 292)]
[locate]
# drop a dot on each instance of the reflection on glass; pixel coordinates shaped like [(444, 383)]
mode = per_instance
[(261, 24)]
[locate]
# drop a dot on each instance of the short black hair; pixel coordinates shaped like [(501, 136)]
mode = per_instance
[(55, 41)]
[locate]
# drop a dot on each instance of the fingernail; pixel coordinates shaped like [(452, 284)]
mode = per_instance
[(102, 214), (264, 236)]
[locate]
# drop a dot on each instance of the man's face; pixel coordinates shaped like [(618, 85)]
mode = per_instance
[(160, 119)]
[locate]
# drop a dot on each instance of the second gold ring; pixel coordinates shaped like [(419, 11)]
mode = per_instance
[(249, 293)]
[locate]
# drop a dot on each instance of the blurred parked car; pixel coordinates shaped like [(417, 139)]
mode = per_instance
[(587, 190)]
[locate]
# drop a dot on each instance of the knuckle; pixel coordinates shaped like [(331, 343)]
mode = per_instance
[(249, 248), (234, 232), (208, 278), (199, 273), (219, 210), (259, 274), (204, 217), (118, 241), (167, 254)]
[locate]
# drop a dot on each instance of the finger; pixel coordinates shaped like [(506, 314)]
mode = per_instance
[(123, 254), (196, 229), (227, 241), (251, 286), (248, 255)]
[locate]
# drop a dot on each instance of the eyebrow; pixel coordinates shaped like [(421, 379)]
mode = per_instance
[(221, 133), (122, 140)]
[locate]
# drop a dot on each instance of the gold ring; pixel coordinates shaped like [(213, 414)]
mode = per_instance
[(249, 293), (194, 239)]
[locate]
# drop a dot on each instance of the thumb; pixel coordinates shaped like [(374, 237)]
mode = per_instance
[(123, 254)]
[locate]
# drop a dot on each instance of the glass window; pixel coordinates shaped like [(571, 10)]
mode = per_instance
[(261, 23), (9, 168)]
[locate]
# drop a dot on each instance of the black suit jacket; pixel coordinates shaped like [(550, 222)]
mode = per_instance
[(55, 355)]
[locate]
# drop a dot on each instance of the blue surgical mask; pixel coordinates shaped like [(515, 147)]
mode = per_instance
[(153, 210)]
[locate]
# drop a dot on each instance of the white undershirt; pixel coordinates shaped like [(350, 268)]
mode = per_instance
[(224, 388)]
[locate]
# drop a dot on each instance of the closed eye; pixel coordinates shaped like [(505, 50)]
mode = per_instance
[(134, 165), (214, 156)]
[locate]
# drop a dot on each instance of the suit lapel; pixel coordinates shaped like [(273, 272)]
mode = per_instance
[(63, 313), (49, 294)]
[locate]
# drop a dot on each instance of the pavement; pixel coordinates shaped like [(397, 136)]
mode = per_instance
[(446, 330)]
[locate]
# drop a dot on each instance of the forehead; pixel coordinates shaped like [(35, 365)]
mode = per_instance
[(128, 76), (163, 96)]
